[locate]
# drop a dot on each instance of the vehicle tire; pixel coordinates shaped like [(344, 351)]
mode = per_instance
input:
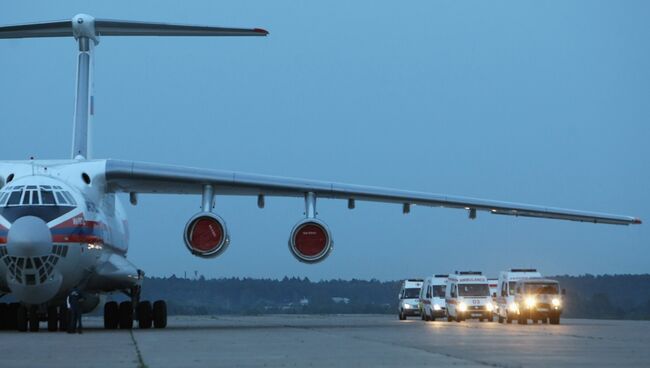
[(481, 319), (34, 321), (144, 314), (432, 318), (21, 319), (501, 319), (52, 319), (126, 315), (111, 316), (159, 314), (554, 320), (401, 316), (64, 318), (449, 318), (458, 319)]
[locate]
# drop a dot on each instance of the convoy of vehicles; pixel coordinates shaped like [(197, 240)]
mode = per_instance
[(432, 298), (408, 298), (518, 294)]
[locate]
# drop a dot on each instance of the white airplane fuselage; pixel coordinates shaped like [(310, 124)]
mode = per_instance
[(62, 229)]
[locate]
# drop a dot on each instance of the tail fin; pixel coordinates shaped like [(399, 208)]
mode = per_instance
[(84, 28)]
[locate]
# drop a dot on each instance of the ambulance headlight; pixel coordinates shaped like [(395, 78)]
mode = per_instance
[(436, 307), (462, 307), (489, 307), (530, 301), (556, 302), (407, 306)]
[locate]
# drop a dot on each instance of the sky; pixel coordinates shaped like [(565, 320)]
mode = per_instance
[(535, 102)]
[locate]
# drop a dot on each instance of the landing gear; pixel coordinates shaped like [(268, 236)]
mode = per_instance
[(111, 316), (159, 314), (4, 316), (21, 319), (145, 314), (64, 318), (126, 315), (34, 321), (52, 319)]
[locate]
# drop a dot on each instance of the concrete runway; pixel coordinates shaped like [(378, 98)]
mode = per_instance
[(334, 341)]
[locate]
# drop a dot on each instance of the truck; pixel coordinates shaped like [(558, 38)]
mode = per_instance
[(468, 296), (408, 296), (432, 298), (506, 309)]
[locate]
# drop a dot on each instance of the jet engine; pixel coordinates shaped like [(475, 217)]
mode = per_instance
[(310, 241), (206, 235)]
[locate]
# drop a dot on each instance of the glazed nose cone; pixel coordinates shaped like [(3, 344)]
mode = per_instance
[(29, 236)]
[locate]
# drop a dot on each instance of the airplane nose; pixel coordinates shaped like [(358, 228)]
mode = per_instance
[(29, 236)]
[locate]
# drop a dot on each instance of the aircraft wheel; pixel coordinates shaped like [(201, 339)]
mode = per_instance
[(144, 314), (160, 314), (64, 318), (34, 322), (21, 318), (126, 315), (111, 315), (52, 319), (4, 316)]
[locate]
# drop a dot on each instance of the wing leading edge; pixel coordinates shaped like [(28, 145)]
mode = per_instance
[(141, 177)]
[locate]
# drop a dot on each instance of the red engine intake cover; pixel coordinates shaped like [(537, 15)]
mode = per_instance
[(206, 235), (310, 241)]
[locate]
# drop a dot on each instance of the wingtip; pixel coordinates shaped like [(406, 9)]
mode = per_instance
[(637, 221), (261, 31)]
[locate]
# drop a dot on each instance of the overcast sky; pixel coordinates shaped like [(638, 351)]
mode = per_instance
[(526, 101)]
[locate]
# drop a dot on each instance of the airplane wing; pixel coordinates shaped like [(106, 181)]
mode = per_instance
[(141, 177)]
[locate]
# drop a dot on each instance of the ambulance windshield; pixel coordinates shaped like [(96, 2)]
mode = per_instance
[(411, 293), (551, 288), (473, 290)]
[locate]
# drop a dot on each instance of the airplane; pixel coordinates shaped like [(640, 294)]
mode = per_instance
[(62, 225)]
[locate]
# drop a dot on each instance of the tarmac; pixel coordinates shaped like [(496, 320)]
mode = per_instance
[(333, 341)]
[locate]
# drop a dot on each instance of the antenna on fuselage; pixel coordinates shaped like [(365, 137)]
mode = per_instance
[(86, 30)]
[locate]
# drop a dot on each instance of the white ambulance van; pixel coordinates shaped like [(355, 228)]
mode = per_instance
[(432, 298), (468, 296), (506, 308), (409, 295), (539, 300)]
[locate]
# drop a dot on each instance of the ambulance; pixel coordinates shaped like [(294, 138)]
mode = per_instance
[(408, 296), (539, 300), (432, 298), (506, 308), (468, 296)]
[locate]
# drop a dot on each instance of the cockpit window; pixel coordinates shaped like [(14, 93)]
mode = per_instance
[(45, 201), (41, 195)]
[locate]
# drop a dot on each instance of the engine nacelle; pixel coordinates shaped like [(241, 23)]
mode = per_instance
[(206, 235), (310, 241)]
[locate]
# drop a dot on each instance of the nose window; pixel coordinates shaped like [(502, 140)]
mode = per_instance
[(45, 201)]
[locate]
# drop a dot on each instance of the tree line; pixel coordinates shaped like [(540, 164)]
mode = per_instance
[(588, 296)]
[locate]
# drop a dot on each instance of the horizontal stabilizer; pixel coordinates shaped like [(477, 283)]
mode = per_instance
[(82, 25)]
